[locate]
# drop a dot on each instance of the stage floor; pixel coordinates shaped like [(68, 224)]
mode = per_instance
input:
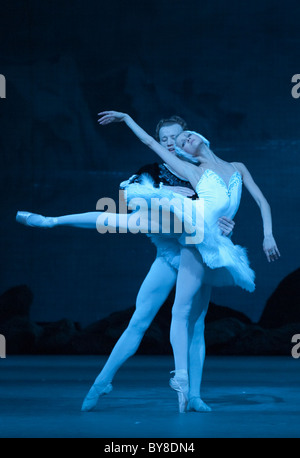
[(254, 397)]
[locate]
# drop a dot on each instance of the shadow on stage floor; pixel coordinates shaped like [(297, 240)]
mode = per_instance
[(252, 397)]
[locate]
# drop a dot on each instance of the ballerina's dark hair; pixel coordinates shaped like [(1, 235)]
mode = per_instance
[(169, 122)]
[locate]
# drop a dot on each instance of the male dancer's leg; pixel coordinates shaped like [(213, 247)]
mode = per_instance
[(154, 291)]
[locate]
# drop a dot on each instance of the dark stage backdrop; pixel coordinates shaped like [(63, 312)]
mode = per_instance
[(225, 66)]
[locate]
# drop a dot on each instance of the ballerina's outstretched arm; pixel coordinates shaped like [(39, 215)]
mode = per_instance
[(183, 168)]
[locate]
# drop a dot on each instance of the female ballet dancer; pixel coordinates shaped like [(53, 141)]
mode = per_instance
[(158, 283), (216, 260)]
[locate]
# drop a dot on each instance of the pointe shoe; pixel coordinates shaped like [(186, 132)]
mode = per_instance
[(180, 383), (91, 399), (35, 220), (196, 404)]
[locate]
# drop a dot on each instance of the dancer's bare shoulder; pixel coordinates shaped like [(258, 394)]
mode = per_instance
[(246, 177), (240, 168)]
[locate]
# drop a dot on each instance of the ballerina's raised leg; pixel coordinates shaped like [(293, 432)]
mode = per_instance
[(89, 220)]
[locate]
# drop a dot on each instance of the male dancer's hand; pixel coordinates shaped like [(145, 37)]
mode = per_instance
[(226, 225)]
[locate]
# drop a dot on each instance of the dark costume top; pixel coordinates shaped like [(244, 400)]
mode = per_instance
[(160, 174)]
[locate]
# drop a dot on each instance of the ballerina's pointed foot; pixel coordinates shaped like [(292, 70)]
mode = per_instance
[(92, 398), (35, 220), (196, 404), (180, 383)]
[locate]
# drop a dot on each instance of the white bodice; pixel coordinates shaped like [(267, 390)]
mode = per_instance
[(219, 199)]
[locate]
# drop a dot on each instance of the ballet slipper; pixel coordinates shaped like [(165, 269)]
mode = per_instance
[(180, 383), (91, 399), (196, 404), (35, 220)]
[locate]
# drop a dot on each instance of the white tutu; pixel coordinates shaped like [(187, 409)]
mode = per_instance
[(226, 264)]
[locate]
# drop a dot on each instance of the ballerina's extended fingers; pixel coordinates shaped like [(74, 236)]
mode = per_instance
[(104, 112), (272, 253), (107, 113), (110, 116), (106, 119), (103, 122)]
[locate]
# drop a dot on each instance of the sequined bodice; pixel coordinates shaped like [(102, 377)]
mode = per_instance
[(219, 199)]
